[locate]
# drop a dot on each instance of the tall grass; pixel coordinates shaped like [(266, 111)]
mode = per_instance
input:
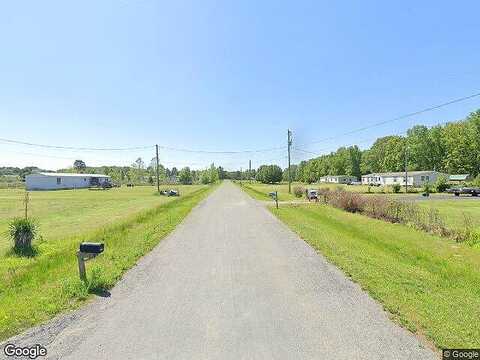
[(395, 211)]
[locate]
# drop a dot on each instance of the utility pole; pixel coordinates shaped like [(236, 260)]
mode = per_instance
[(249, 170), (406, 170), (289, 137), (158, 170)]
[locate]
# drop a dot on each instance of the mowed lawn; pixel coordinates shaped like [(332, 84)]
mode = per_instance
[(454, 212), (62, 213), (35, 289), (428, 284)]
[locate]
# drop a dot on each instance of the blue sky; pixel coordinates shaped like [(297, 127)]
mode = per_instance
[(225, 75)]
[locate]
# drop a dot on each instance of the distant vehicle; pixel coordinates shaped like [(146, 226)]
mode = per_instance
[(354, 183), (312, 194), (272, 194), (106, 185), (474, 191), (170, 192)]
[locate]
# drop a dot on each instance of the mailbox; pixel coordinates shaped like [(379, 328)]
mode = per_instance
[(91, 248), (86, 252)]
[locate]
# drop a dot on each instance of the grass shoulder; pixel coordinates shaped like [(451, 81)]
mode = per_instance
[(33, 290), (427, 283)]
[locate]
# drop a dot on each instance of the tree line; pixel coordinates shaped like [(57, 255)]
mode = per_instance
[(453, 148), (141, 174)]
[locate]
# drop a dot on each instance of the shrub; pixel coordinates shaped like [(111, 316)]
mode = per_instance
[(427, 188), (324, 193), (441, 184), (298, 191), (396, 188), (348, 201), (22, 232)]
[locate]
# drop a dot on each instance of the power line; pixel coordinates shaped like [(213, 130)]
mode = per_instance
[(60, 147), (222, 152), (431, 108)]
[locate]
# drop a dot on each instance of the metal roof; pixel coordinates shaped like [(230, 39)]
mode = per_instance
[(402, 173), (71, 175), (459, 177), (337, 176)]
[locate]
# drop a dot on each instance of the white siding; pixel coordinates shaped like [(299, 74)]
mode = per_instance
[(414, 179), (43, 182)]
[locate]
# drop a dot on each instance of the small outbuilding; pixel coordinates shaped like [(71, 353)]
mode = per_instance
[(58, 181), (338, 179), (415, 178)]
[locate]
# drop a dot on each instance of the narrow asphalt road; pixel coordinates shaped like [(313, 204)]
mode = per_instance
[(231, 282)]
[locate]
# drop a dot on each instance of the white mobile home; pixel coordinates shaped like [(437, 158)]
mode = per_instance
[(415, 178), (57, 181), (338, 179)]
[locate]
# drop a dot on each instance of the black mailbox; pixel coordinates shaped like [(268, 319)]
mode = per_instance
[(91, 248)]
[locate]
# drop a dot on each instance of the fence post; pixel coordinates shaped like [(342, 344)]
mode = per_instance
[(276, 198)]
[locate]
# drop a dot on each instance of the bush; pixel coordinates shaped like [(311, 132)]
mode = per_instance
[(348, 201), (441, 184), (396, 188), (427, 188), (395, 211), (298, 191), (22, 232)]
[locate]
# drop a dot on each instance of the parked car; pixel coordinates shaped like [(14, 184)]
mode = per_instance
[(474, 191), (106, 185), (311, 194), (170, 192), (354, 183)]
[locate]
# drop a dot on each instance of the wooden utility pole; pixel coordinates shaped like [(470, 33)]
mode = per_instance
[(158, 170), (406, 170), (289, 138), (249, 170)]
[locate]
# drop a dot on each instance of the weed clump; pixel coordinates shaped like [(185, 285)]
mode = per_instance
[(22, 231), (396, 211), (298, 191)]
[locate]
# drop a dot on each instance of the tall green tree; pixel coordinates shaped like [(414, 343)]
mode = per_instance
[(185, 176)]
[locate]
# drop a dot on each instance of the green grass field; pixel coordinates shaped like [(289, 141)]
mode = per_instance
[(454, 211), (451, 211), (60, 214), (33, 290), (428, 284)]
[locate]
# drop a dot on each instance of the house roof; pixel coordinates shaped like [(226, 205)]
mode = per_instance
[(337, 176), (71, 175), (402, 173), (459, 177)]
